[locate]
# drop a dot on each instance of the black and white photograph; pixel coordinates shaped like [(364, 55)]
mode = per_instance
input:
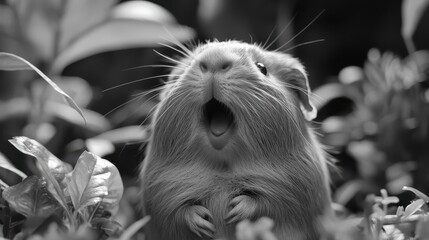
[(214, 120)]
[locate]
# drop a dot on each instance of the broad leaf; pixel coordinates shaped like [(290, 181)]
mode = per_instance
[(417, 192), (77, 88), (100, 147), (143, 10), (413, 207), (4, 163), (3, 184), (118, 34), (126, 135), (94, 180), (31, 147), (31, 197), (11, 62), (80, 16), (52, 168), (39, 21), (95, 122)]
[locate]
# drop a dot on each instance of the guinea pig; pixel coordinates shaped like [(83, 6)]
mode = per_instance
[(232, 140)]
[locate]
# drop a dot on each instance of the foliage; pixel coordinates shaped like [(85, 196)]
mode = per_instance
[(381, 222), (73, 199), (389, 97), (47, 36), (380, 121)]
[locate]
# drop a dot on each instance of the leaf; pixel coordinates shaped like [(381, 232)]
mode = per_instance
[(94, 180), (80, 16), (134, 228), (417, 192), (5, 163), (412, 10), (95, 122), (128, 33), (76, 87), (99, 146), (143, 10), (38, 20), (31, 197), (79, 180), (110, 227), (31, 147), (3, 184), (46, 226), (413, 207), (400, 211), (53, 169), (389, 200), (11, 62), (126, 134)]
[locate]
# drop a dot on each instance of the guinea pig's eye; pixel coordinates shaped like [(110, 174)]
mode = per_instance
[(262, 68)]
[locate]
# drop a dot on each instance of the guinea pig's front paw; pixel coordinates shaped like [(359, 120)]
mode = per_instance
[(198, 219), (242, 207)]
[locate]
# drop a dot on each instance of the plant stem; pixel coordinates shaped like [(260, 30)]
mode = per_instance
[(131, 230), (409, 44), (393, 219)]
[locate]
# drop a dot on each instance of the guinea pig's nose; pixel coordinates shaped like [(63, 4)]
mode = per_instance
[(215, 65)]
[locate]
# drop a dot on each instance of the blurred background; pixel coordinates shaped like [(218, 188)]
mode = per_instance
[(367, 62)]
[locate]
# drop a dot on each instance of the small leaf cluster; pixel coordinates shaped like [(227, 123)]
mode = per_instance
[(73, 200), (46, 37), (382, 222)]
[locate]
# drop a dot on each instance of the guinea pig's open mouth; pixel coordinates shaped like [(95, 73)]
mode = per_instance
[(219, 120)]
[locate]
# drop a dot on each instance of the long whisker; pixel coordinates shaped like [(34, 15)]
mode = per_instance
[(138, 80), (193, 44), (154, 66), (303, 90), (178, 43), (173, 99), (281, 32), (175, 49), (313, 96), (150, 99), (149, 91), (168, 58), (268, 38), (123, 104), (285, 106), (134, 99), (300, 44), (305, 28), (152, 111)]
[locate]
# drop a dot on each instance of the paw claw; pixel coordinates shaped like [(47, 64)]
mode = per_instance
[(242, 207), (198, 219)]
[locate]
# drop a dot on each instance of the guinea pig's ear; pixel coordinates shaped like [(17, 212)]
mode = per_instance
[(299, 81)]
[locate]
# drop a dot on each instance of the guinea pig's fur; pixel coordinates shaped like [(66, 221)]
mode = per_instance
[(269, 164)]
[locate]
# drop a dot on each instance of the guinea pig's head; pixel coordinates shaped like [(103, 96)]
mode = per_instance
[(231, 98)]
